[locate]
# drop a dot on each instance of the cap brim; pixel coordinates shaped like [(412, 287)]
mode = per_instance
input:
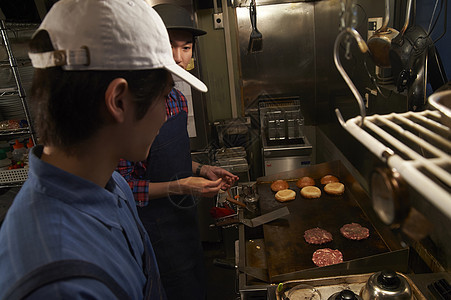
[(188, 77), (194, 31)]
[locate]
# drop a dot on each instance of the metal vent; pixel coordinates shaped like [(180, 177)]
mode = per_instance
[(277, 102)]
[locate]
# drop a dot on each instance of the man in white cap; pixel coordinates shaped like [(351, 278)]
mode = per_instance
[(165, 186), (103, 71)]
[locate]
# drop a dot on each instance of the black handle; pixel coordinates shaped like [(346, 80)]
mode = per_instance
[(389, 280), (253, 14), (226, 222), (346, 295)]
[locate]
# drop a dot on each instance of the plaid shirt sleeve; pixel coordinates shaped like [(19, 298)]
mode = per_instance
[(175, 103), (133, 174)]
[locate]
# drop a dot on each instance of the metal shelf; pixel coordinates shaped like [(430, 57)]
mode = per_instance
[(417, 145), (14, 178), (21, 62), (18, 28), (12, 185), (9, 91), (14, 131), (18, 89)]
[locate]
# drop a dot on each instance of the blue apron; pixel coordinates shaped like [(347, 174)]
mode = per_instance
[(171, 222)]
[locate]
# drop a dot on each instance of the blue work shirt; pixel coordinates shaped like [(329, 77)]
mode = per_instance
[(57, 215)]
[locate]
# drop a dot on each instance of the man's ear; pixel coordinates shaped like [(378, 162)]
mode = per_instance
[(116, 99)]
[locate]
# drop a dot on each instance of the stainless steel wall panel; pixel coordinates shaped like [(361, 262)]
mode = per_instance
[(328, 81), (266, 2), (286, 65)]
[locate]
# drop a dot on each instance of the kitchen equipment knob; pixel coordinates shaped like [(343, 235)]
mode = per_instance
[(388, 280), (345, 295)]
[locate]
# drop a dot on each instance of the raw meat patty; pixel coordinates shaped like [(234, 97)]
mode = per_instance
[(354, 231), (325, 257), (317, 236)]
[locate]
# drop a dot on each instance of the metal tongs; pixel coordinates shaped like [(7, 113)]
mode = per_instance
[(234, 201)]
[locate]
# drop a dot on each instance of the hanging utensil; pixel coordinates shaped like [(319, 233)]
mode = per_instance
[(379, 43), (256, 38), (405, 48), (409, 60)]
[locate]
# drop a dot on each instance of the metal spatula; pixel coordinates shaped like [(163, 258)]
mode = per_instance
[(268, 217), (260, 220)]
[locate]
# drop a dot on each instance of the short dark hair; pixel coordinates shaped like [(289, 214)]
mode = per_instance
[(68, 107)]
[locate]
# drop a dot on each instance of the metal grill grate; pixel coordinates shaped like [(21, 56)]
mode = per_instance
[(278, 102), (417, 145)]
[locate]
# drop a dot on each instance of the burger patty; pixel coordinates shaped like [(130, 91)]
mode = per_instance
[(317, 236), (325, 257), (355, 231)]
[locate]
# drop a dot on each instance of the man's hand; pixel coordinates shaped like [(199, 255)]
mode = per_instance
[(215, 173), (199, 186)]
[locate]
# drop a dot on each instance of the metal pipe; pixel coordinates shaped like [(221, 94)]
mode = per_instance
[(407, 21), (386, 17), (229, 57), (363, 48)]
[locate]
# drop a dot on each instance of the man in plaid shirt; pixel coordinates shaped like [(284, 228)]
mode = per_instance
[(164, 186), (135, 172)]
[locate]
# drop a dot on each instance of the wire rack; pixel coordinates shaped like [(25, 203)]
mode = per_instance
[(417, 145), (16, 176)]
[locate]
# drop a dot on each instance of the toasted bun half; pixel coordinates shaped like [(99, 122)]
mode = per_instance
[(305, 181), (279, 185), (285, 195), (334, 188), (329, 178), (311, 192)]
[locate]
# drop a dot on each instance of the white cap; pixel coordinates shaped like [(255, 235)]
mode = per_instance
[(108, 35)]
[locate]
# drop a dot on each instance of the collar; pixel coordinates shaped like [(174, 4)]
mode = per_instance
[(84, 195)]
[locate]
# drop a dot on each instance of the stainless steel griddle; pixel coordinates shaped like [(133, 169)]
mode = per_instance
[(280, 249)]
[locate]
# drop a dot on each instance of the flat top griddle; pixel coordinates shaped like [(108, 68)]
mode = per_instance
[(286, 249)]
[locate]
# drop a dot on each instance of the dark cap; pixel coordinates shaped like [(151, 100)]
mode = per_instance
[(176, 17)]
